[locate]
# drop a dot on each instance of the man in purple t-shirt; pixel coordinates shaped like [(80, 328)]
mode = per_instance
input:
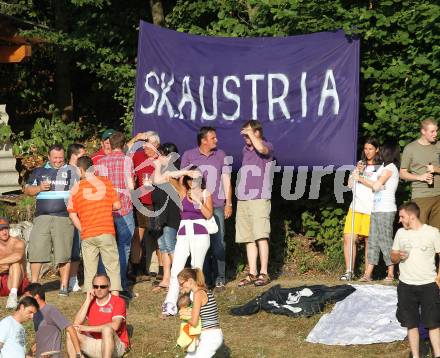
[(252, 223), (211, 160), (49, 325)]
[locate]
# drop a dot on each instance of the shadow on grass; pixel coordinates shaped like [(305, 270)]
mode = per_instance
[(130, 330), (223, 352), (51, 285)]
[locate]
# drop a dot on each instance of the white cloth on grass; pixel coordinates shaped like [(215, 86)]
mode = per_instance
[(367, 316)]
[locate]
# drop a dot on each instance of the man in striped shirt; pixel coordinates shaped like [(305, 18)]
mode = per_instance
[(90, 207), (52, 227)]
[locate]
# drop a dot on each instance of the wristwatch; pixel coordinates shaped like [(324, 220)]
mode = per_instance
[(79, 355)]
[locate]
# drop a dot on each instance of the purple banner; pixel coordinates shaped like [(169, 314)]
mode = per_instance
[(304, 89)]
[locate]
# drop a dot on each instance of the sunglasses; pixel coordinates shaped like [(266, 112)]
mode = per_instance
[(102, 287)]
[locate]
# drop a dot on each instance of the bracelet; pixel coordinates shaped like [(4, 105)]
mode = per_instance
[(230, 205)]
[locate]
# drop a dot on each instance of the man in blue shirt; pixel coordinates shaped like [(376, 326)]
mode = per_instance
[(52, 226)]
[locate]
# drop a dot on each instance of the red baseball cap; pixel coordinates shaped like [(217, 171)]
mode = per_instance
[(4, 223)]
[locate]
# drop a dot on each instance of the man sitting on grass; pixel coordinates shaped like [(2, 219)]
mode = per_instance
[(12, 273), (106, 334), (49, 323), (12, 333)]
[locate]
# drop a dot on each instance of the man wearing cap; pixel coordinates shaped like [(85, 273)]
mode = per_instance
[(105, 146), (13, 279), (52, 229)]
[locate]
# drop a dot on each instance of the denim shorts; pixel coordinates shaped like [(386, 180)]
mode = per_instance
[(167, 241)]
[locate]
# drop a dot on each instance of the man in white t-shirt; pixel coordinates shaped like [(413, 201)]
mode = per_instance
[(418, 296), (12, 333)]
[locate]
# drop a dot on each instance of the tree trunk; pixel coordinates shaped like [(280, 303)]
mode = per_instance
[(157, 12), (63, 86)]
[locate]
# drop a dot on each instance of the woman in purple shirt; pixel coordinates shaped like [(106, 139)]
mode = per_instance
[(192, 237)]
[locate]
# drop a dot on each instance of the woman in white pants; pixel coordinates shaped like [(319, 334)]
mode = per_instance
[(192, 237), (204, 307)]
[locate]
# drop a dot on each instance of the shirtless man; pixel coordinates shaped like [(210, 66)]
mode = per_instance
[(12, 272)]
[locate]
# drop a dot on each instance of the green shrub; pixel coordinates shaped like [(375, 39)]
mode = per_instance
[(5, 133), (326, 225), (298, 249), (45, 133), (23, 210)]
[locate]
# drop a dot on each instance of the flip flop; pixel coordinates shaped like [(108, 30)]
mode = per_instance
[(388, 279), (159, 288)]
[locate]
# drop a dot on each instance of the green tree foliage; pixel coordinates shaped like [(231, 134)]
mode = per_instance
[(399, 68), (45, 133), (99, 37), (399, 74), (400, 51)]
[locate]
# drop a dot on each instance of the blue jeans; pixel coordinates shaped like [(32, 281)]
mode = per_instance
[(76, 247), (124, 234), (124, 226), (167, 241), (215, 262)]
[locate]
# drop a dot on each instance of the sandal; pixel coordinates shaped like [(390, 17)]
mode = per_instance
[(248, 280), (348, 276), (262, 280), (365, 279)]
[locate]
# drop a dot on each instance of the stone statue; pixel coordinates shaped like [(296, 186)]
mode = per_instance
[(8, 173)]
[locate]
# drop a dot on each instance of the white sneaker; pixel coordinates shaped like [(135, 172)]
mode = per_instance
[(169, 309), (75, 287), (12, 301)]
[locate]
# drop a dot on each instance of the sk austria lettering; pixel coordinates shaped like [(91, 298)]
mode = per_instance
[(201, 96)]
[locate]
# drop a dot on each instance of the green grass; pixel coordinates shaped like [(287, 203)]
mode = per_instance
[(260, 335)]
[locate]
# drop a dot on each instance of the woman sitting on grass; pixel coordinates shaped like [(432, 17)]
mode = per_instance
[(204, 307)]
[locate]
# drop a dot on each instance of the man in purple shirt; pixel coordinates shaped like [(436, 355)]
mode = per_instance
[(210, 161), (252, 223), (49, 324)]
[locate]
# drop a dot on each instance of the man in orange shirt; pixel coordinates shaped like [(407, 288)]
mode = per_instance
[(90, 207)]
